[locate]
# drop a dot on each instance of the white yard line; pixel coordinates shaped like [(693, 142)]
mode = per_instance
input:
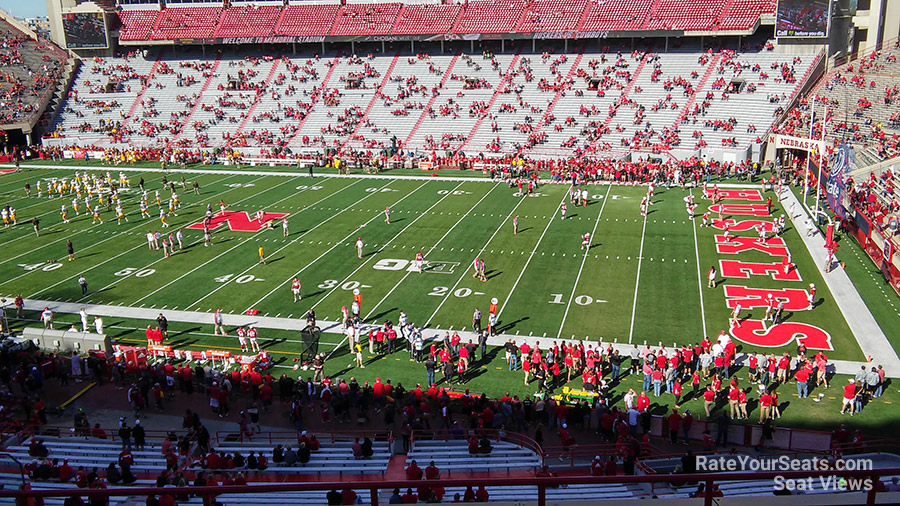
[(531, 255), (336, 244), (111, 237), (137, 224), (699, 274), (466, 270), (384, 246), (245, 241), (190, 245), (637, 279), (583, 260), (430, 250)]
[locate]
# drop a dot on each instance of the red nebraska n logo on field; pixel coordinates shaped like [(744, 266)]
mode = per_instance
[(238, 221)]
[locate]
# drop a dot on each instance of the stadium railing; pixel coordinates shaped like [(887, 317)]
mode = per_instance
[(291, 436), (542, 483), (492, 434)]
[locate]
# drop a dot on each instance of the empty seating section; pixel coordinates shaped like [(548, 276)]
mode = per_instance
[(137, 24), (466, 94), (453, 457), (698, 15), (343, 104), (616, 15), (186, 22), (334, 458), (476, 16), (542, 105), (366, 19), (743, 14), (312, 20), (425, 18), (248, 21), (489, 16), (551, 15), (101, 97), (403, 101), (168, 100)]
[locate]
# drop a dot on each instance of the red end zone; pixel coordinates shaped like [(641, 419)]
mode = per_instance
[(238, 221)]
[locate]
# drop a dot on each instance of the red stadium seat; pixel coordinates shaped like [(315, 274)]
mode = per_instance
[(366, 19), (426, 19), (488, 16), (309, 20), (186, 23), (248, 21)]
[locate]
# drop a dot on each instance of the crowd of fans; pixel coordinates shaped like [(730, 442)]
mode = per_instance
[(258, 103), (29, 69)]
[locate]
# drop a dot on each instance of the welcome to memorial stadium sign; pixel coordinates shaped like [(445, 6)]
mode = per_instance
[(315, 39)]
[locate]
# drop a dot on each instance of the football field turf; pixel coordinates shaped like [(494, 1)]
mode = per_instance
[(642, 280)]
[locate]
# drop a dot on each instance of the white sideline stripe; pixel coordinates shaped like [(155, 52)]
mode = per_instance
[(398, 234), (300, 175), (699, 273), (245, 241), (123, 278), (584, 259), (336, 244), (53, 226), (466, 271), (84, 230), (531, 255), (430, 250), (113, 236), (263, 322), (637, 278)]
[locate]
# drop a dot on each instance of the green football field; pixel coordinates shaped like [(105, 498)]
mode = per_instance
[(640, 281)]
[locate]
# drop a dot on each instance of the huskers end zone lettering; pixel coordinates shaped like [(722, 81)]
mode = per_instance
[(755, 333), (742, 226), (733, 245), (794, 300), (739, 269), (751, 195), (749, 209)]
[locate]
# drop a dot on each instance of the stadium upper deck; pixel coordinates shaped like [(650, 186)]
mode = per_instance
[(314, 21)]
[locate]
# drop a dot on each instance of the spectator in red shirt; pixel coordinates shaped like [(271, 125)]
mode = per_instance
[(709, 400), (413, 472), (432, 472), (348, 496), (802, 377), (849, 395), (674, 425), (409, 497)]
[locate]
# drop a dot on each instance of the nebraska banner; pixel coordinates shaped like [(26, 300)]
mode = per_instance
[(788, 142)]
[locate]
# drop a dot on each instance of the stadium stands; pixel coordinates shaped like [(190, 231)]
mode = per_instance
[(539, 105), (29, 70), (137, 24), (311, 20), (366, 19), (551, 15), (860, 103), (460, 18), (425, 18), (248, 21), (616, 15), (186, 22)]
